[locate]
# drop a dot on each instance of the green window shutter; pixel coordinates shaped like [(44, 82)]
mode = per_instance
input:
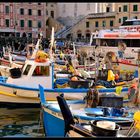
[(96, 24), (135, 7), (111, 23), (125, 8), (22, 23)]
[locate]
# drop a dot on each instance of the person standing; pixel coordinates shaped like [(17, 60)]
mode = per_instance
[(121, 49)]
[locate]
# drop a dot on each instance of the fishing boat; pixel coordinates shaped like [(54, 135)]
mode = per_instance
[(22, 85), (6, 65), (97, 128), (16, 56), (12, 60), (16, 59), (53, 118), (124, 42)]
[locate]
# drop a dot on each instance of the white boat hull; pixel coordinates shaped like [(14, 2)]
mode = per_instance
[(9, 94), (17, 95)]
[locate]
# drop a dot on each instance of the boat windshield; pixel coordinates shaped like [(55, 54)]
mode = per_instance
[(130, 23), (114, 42), (41, 71), (28, 67)]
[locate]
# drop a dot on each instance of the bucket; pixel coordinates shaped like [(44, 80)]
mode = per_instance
[(100, 131)]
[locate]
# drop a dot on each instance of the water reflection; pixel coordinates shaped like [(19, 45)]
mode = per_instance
[(20, 123)]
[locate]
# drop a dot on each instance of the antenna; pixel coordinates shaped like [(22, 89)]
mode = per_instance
[(4, 52), (36, 49), (10, 58)]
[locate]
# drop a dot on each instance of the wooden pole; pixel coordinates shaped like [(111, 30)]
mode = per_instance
[(52, 42), (138, 95)]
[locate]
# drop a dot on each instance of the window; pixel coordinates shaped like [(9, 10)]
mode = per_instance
[(39, 12), (107, 9), (29, 34), (96, 24), (39, 24), (39, 3), (75, 10), (124, 18), (120, 20), (29, 23), (88, 6), (64, 8), (52, 14), (111, 23), (75, 7), (26, 69), (87, 24), (17, 34), (7, 9), (22, 11), (127, 23), (79, 35), (41, 71), (135, 7), (125, 8), (46, 12), (88, 36), (136, 23), (7, 22), (104, 23), (135, 17), (21, 23), (29, 11), (119, 9), (109, 42), (51, 5)]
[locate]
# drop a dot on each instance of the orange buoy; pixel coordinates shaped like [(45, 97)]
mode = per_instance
[(74, 78)]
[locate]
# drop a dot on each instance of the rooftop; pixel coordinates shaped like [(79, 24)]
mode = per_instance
[(101, 15)]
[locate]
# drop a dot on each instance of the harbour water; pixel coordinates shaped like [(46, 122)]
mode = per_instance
[(23, 122)]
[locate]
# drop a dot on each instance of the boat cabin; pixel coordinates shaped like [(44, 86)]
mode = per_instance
[(111, 39), (34, 73), (130, 24)]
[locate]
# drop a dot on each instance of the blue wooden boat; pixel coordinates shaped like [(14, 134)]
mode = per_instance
[(53, 119)]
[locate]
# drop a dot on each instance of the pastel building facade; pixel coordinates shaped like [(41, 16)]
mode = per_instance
[(25, 17)]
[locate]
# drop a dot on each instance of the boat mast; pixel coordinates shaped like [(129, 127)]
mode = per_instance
[(74, 50), (36, 48), (52, 43)]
